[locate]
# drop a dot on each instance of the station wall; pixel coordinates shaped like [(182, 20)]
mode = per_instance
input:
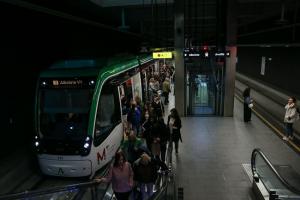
[(282, 66)]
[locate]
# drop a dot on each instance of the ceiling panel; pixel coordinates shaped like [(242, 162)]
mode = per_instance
[(113, 3)]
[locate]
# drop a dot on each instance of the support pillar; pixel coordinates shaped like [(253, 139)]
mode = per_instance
[(179, 60), (231, 35)]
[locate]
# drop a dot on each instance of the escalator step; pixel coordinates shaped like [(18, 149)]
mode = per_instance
[(180, 193)]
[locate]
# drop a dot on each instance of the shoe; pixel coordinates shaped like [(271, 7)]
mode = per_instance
[(285, 138), (291, 137)]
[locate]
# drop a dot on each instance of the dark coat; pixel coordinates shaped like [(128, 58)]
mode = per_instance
[(176, 135), (145, 173)]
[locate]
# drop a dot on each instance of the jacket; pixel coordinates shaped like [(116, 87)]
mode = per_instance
[(291, 114)]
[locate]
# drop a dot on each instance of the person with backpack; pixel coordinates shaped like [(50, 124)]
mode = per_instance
[(145, 173), (134, 117), (291, 115)]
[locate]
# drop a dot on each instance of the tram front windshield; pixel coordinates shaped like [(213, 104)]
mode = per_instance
[(64, 113)]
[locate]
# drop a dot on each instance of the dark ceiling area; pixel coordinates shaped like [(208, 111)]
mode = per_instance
[(258, 21), (36, 33)]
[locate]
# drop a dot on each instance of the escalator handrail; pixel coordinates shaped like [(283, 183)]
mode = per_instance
[(165, 184), (55, 189), (270, 165), (159, 192), (49, 191)]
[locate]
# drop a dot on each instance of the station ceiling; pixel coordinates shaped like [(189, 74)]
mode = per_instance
[(258, 21)]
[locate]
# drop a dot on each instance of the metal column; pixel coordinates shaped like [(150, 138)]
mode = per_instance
[(230, 63), (179, 60)]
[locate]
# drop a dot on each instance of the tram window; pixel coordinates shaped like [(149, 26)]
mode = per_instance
[(108, 113), (64, 113)]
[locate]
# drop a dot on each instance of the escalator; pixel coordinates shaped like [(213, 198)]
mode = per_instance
[(273, 182), (165, 188)]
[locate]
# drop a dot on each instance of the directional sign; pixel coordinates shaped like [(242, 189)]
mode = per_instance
[(160, 55), (222, 54)]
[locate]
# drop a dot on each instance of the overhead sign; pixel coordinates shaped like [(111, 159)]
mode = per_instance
[(222, 54), (83, 82), (192, 55), (159, 55)]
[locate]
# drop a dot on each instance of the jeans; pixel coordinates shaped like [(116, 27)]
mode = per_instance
[(146, 190), (289, 129)]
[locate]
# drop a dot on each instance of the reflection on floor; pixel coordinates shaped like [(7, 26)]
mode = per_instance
[(201, 110), (201, 104)]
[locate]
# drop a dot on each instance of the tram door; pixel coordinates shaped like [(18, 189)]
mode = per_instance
[(203, 91)]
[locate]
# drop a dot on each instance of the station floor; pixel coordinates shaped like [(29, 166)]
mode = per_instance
[(210, 162)]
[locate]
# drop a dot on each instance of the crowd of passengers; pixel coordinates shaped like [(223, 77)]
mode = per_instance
[(143, 150)]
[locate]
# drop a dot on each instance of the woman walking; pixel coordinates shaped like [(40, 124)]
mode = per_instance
[(174, 123), (121, 177)]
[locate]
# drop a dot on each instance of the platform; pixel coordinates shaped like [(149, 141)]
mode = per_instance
[(210, 161)]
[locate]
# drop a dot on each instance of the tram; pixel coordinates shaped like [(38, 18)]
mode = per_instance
[(79, 111)]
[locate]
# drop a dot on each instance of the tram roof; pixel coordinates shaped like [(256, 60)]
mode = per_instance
[(91, 67)]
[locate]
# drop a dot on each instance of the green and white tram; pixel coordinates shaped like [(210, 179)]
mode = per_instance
[(78, 113)]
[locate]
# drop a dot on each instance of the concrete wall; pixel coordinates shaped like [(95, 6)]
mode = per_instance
[(282, 71)]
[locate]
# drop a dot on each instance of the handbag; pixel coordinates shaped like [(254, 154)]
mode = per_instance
[(250, 105)]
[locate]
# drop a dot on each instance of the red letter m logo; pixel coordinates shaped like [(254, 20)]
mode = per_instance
[(101, 157)]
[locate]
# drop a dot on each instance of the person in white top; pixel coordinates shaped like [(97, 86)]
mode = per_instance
[(290, 117)]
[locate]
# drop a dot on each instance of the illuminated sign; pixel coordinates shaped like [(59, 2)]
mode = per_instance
[(84, 82), (222, 54), (66, 82), (192, 54), (159, 55)]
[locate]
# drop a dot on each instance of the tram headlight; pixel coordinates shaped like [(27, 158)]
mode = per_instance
[(86, 146), (37, 143)]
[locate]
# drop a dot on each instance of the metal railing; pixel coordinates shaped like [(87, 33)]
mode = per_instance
[(167, 189), (93, 190), (272, 172), (73, 191)]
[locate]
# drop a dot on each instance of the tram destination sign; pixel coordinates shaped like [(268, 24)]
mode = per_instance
[(67, 83)]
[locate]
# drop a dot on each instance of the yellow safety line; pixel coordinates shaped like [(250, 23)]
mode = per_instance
[(271, 126)]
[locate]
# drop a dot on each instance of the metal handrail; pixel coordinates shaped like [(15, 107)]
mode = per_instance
[(49, 191), (168, 175), (85, 185), (56, 189), (282, 180)]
